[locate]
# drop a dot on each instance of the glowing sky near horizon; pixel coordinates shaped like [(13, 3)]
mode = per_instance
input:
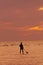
[(21, 20)]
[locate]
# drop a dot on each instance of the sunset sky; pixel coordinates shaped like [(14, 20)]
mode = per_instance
[(21, 20)]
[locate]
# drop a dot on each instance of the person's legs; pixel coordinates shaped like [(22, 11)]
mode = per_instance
[(22, 51)]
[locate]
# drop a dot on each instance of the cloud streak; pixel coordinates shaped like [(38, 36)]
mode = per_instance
[(40, 9), (10, 26)]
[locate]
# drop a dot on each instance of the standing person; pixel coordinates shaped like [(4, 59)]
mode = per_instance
[(21, 48)]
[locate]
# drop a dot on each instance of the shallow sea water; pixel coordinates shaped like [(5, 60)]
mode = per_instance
[(9, 53)]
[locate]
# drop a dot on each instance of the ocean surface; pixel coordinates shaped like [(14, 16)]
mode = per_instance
[(10, 55)]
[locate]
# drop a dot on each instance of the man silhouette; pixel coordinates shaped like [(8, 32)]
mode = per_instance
[(21, 48)]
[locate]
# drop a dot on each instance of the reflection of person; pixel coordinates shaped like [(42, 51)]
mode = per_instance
[(21, 48)]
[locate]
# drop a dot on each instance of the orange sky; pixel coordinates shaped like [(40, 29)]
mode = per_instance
[(21, 20)]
